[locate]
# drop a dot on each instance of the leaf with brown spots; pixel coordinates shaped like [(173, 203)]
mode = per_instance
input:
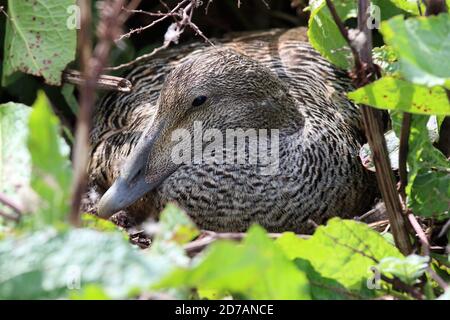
[(395, 94), (35, 31)]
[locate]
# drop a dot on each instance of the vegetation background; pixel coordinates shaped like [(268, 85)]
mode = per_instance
[(49, 250)]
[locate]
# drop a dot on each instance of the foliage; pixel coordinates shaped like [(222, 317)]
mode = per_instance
[(396, 94), (14, 156), (44, 257), (38, 40), (422, 45)]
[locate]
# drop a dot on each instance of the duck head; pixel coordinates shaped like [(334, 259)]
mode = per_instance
[(218, 88)]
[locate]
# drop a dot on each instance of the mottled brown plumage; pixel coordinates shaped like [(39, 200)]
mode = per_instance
[(271, 80)]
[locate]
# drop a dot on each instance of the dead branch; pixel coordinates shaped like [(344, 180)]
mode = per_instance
[(93, 63), (366, 72), (182, 15), (104, 82)]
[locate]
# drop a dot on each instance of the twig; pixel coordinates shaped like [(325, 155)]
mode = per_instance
[(379, 208), (208, 237), (163, 17), (139, 59), (399, 285), (420, 234), (92, 64), (7, 216), (444, 229), (104, 82), (403, 154), (16, 207), (182, 17), (419, 8), (343, 30), (426, 250), (365, 73)]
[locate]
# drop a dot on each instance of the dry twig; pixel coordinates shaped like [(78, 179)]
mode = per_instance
[(182, 14), (104, 82), (93, 63)]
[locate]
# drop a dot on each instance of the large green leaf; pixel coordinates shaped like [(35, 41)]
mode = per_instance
[(396, 94), (324, 35), (255, 269), (38, 39), (428, 187), (51, 170), (343, 251), (411, 6), (423, 47), (15, 168)]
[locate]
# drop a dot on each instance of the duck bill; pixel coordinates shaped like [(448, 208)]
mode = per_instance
[(133, 182)]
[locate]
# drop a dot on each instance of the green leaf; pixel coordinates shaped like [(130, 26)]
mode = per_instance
[(423, 47), (49, 265), (96, 223), (324, 35), (38, 39), (344, 251), (323, 288), (396, 94), (89, 292), (408, 269), (176, 226), (428, 188), (15, 166), (386, 58), (255, 269), (409, 5), (51, 170)]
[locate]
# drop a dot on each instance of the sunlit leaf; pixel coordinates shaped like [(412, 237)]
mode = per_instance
[(344, 251), (255, 269), (396, 94), (408, 269), (51, 169), (422, 45), (324, 35), (39, 39)]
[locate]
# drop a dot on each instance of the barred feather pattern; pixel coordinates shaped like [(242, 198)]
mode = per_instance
[(320, 172)]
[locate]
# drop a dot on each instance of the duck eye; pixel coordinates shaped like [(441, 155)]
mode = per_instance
[(199, 101)]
